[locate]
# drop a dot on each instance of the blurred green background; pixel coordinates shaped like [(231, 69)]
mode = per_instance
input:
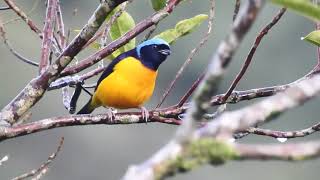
[(104, 152)]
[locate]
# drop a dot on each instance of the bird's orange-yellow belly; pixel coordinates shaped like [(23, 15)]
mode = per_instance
[(129, 86)]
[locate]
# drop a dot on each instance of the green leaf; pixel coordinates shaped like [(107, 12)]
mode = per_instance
[(123, 24), (303, 7), (182, 28), (313, 37), (158, 4)]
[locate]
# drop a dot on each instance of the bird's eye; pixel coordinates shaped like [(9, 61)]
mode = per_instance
[(154, 46)]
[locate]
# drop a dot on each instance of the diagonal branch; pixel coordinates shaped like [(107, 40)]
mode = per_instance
[(44, 166), (139, 28), (190, 57), (164, 162), (248, 60), (35, 89), (23, 16)]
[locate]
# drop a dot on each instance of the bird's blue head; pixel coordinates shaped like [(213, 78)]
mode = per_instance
[(153, 52)]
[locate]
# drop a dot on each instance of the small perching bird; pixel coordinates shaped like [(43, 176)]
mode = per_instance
[(129, 80)]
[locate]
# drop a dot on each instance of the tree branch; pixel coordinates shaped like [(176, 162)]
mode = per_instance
[(47, 35), (164, 162), (142, 26), (286, 152), (35, 89), (44, 167), (248, 60), (190, 57)]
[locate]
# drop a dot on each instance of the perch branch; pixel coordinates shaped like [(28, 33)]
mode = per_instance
[(35, 89), (164, 161)]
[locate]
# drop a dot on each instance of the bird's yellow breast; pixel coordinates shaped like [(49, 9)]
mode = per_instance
[(128, 86)]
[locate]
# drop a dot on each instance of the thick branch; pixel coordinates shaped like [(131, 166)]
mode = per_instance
[(77, 120), (164, 161), (139, 28), (35, 89), (287, 152)]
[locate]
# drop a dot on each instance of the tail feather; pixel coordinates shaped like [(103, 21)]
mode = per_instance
[(87, 109)]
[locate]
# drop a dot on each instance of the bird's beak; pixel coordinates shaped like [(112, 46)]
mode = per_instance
[(165, 52)]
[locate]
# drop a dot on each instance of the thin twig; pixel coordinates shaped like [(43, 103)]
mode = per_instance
[(112, 20), (43, 166), (23, 16), (191, 55), (190, 90), (4, 8), (149, 33), (48, 35), (166, 161), (60, 26), (34, 6), (12, 50), (30, 23), (73, 80), (236, 9), (103, 33), (284, 134), (253, 49), (36, 88), (139, 28)]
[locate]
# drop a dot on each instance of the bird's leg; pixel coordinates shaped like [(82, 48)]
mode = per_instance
[(144, 113), (111, 112)]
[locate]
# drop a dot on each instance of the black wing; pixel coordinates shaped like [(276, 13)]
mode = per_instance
[(109, 69)]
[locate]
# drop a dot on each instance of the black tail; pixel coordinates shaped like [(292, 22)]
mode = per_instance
[(87, 109)]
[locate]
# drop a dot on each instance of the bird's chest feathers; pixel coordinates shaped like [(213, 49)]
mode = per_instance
[(128, 86), (131, 70)]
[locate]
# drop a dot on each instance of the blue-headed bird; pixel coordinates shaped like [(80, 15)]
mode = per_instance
[(129, 80)]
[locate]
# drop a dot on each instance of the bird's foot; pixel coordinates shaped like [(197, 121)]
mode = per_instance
[(144, 113), (111, 112)]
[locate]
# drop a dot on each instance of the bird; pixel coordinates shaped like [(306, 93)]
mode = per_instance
[(129, 80)]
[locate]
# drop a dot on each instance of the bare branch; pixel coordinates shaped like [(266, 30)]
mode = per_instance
[(164, 161), (4, 8), (248, 60), (284, 134), (23, 16), (143, 25), (76, 120), (47, 35), (44, 166), (60, 26), (287, 152), (236, 9), (190, 57), (36, 87), (12, 50), (73, 80), (191, 90)]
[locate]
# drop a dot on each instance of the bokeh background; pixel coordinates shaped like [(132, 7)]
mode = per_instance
[(104, 152)]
